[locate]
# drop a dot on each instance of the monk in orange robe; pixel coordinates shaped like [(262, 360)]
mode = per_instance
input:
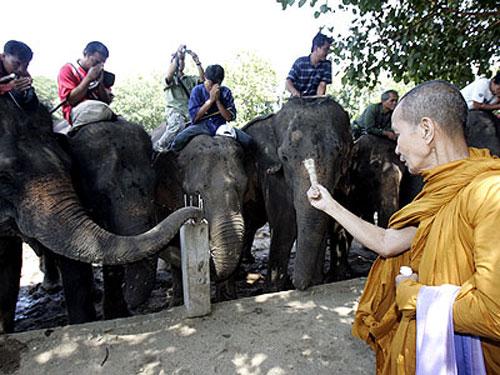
[(449, 234)]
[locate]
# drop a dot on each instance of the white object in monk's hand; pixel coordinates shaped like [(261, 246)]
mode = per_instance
[(311, 169), (405, 271)]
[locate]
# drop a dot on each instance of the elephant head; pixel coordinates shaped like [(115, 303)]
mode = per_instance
[(483, 131), (375, 175), (214, 168), (38, 197), (315, 129)]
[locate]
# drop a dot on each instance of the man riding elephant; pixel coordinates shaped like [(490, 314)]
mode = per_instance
[(15, 81), (211, 105), (85, 88), (177, 92), (376, 118)]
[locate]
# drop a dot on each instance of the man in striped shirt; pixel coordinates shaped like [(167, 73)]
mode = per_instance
[(310, 74)]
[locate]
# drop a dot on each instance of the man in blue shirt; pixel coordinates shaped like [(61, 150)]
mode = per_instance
[(210, 106), (310, 74)]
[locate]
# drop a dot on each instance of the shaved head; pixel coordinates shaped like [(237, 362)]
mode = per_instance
[(437, 100)]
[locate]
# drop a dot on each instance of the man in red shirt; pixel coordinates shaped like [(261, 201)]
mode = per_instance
[(15, 81), (84, 80)]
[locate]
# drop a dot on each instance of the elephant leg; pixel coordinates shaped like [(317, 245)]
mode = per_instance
[(51, 278), (277, 277), (172, 255), (177, 294), (339, 248), (114, 305), (11, 257), (226, 290), (246, 251), (78, 285)]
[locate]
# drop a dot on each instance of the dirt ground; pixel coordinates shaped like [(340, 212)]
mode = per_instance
[(288, 332), (38, 309)]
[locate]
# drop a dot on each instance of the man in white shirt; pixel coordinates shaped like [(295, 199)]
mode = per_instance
[(483, 93)]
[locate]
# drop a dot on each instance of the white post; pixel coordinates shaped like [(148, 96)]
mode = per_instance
[(195, 259)]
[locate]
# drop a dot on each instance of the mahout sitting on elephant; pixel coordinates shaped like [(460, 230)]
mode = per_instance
[(38, 203), (215, 169), (302, 129)]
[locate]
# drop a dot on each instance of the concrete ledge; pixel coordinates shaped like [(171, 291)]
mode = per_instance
[(281, 333)]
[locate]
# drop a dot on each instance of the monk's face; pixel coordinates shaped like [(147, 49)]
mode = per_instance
[(412, 148)]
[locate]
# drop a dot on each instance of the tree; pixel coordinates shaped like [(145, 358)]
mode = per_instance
[(415, 40), (46, 90), (140, 99), (253, 83)]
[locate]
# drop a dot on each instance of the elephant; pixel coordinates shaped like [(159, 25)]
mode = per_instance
[(215, 169), (374, 178), (303, 128), (483, 130), (39, 204)]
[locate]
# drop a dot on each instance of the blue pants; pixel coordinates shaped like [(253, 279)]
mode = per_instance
[(183, 138)]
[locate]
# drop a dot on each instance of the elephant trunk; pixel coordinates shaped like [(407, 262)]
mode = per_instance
[(55, 218), (311, 230), (226, 241)]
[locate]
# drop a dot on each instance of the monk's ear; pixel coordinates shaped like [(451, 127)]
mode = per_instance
[(427, 129)]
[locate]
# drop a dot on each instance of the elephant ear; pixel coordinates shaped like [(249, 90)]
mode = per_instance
[(168, 181), (261, 129)]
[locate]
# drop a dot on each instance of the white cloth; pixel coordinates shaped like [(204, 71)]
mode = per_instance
[(226, 130), (436, 339), (90, 111), (478, 91)]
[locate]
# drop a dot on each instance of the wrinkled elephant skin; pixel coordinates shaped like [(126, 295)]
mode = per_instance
[(302, 129)]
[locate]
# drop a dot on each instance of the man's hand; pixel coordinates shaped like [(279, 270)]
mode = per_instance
[(95, 72), (22, 83), (391, 135), (215, 93), (319, 197), (181, 51), (195, 57), (400, 278)]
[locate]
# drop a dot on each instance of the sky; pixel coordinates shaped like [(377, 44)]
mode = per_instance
[(142, 35)]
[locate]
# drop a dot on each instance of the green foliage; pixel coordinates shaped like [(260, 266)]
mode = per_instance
[(253, 83), (355, 101), (415, 40), (140, 99), (46, 90)]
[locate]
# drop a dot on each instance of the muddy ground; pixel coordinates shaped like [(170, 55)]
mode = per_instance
[(39, 309)]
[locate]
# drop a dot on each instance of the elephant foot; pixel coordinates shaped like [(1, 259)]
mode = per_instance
[(176, 300), (247, 258), (113, 310), (283, 283), (225, 291), (51, 285)]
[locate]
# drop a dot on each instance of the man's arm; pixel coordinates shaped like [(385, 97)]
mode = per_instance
[(321, 88), (291, 88), (370, 120), (326, 77), (385, 242), (201, 72), (484, 106), (80, 91)]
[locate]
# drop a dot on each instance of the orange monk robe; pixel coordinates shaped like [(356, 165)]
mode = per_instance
[(457, 242)]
